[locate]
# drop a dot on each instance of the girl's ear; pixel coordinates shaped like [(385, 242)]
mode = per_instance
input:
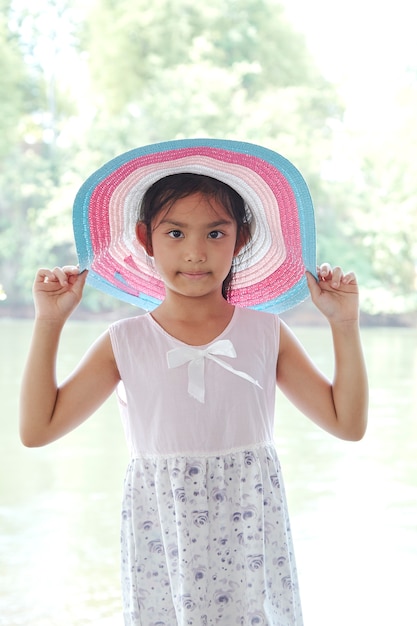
[(142, 237), (242, 239)]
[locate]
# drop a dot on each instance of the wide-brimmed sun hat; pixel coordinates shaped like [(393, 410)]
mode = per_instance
[(270, 274)]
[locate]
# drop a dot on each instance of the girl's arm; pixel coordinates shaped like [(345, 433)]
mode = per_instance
[(340, 406), (49, 411)]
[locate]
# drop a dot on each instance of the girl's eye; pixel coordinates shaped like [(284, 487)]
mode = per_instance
[(175, 234), (215, 234)]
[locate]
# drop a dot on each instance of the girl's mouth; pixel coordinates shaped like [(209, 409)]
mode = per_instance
[(194, 275)]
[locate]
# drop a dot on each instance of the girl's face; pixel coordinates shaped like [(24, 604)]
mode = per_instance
[(193, 245)]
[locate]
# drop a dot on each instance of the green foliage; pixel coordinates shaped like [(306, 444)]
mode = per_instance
[(251, 36), (180, 69), (183, 69), (12, 83)]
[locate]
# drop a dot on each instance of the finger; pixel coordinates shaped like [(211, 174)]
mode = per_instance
[(78, 279), (331, 275), (336, 276), (57, 274), (349, 278), (324, 270), (72, 273), (70, 269), (44, 275), (62, 273)]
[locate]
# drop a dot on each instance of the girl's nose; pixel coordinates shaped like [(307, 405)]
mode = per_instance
[(195, 252)]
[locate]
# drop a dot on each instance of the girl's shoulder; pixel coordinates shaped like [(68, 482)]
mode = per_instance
[(129, 325), (134, 320), (256, 317), (258, 326)]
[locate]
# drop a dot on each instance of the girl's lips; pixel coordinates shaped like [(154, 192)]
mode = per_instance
[(194, 275)]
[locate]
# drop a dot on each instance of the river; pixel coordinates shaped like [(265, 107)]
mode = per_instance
[(353, 505)]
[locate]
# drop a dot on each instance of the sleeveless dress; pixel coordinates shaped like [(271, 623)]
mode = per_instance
[(205, 530)]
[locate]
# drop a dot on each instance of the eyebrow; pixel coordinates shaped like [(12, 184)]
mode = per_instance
[(183, 225)]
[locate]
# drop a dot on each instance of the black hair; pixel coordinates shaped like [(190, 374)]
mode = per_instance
[(166, 191)]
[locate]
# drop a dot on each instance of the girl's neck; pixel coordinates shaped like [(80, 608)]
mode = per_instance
[(197, 322)]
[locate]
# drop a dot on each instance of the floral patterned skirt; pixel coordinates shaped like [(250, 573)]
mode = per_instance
[(206, 540)]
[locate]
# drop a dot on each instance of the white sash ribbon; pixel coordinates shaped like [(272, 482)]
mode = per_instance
[(195, 357)]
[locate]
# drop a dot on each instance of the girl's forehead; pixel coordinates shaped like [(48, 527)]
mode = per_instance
[(195, 207)]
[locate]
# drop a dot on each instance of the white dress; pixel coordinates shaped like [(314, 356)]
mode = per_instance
[(205, 530)]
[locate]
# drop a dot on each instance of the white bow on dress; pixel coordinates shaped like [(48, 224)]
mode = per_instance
[(195, 357)]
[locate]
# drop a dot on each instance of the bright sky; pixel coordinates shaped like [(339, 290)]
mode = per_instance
[(358, 35), (365, 46)]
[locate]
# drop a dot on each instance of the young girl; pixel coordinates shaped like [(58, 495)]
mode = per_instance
[(205, 530)]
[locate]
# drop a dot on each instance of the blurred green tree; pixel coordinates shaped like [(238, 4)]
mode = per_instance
[(177, 69), (13, 83)]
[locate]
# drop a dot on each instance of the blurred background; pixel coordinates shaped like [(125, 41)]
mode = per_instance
[(333, 87)]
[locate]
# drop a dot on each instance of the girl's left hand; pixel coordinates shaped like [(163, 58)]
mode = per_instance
[(334, 293)]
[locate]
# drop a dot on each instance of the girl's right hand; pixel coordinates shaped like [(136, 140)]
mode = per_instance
[(57, 292)]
